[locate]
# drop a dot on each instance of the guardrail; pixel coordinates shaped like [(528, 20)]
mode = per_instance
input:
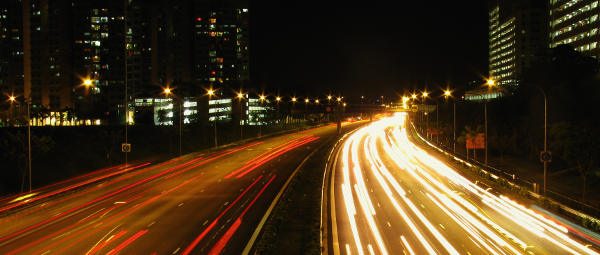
[(567, 205)]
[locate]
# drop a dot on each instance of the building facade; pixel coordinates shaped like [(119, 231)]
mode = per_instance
[(576, 22), (134, 45), (517, 37)]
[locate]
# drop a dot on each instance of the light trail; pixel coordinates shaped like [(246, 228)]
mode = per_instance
[(493, 223)]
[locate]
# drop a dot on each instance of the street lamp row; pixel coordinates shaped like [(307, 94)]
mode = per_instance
[(240, 95)]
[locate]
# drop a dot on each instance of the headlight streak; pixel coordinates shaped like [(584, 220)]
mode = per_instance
[(363, 197), (514, 208), (479, 227), (348, 198), (445, 190), (372, 157), (407, 246)]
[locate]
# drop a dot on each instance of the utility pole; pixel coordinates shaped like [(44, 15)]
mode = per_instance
[(27, 76), (126, 73)]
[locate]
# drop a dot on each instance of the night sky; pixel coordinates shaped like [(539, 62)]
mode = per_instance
[(370, 49)]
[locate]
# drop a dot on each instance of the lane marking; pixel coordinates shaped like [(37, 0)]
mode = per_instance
[(274, 202)]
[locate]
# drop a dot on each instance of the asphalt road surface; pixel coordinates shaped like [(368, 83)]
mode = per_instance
[(200, 203), (389, 196)]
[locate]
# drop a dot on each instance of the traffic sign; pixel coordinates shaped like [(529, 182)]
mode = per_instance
[(545, 156), (125, 147)]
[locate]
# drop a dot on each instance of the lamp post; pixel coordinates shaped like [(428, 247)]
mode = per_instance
[(12, 99), (424, 95), (210, 93), (277, 101), (448, 94), (306, 101), (262, 99), (294, 100), (490, 83), (240, 97), (28, 102), (545, 155), (169, 93)]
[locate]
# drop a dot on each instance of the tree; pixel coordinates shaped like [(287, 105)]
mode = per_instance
[(579, 146), (502, 142)]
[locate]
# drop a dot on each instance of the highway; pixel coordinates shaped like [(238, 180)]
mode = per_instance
[(200, 203), (389, 196)]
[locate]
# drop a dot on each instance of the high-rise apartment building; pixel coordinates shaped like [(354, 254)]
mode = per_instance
[(576, 22), (221, 45), (51, 76), (135, 44), (11, 47), (517, 36)]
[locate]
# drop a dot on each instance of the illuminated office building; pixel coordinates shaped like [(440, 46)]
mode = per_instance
[(575, 22)]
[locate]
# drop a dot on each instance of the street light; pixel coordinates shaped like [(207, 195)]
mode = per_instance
[(490, 83), (546, 154), (240, 97), (210, 93), (424, 95), (169, 93), (87, 82), (329, 97), (13, 99), (262, 99), (339, 99), (448, 94)]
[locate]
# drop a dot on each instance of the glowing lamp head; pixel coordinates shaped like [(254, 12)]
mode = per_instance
[(167, 91), (490, 83), (339, 99), (210, 92), (12, 99), (316, 101), (262, 97), (278, 99), (425, 94), (294, 99), (329, 97), (414, 96), (306, 100), (87, 82), (447, 93), (240, 95)]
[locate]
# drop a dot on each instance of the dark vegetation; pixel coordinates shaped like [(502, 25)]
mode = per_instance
[(571, 82)]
